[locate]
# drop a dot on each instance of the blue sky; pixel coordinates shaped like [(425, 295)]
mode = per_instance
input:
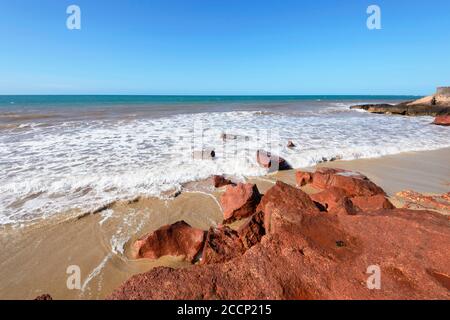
[(224, 47)]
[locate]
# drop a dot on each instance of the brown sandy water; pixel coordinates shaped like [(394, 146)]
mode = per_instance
[(34, 258)]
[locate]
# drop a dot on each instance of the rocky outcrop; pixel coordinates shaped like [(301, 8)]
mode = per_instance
[(272, 162), (289, 249), (178, 239), (406, 109), (239, 201), (416, 200), (220, 181), (442, 120)]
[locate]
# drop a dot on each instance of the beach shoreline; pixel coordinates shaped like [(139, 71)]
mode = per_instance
[(34, 262)]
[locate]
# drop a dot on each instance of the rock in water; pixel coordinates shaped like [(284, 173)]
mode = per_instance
[(178, 239), (270, 161), (239, 201), (442, 120), (291, 144)]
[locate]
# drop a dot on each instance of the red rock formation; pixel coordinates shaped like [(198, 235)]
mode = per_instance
[(270, 161), (178, 239), (308, 254), (415, 200), (239, 201), (222, 244), (220, 181), (372, 203), (442, 120)]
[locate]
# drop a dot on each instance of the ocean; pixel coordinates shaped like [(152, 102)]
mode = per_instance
[(62, 153)]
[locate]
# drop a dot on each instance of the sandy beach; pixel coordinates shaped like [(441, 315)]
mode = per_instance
[(34, 258)]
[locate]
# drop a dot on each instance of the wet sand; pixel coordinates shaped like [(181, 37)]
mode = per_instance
[(34, 258)]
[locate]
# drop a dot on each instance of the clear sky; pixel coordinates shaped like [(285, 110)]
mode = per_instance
[(224, 47)]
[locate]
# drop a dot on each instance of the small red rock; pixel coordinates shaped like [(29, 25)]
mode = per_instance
[(239, 201), (178, 239), (442, 120), (303, 178), (220, 181)]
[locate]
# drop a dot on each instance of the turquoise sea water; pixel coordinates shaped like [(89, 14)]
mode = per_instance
[(6, 101)]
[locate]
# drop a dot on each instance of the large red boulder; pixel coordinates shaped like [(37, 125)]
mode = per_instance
[(442, 120), (178, 239), (271, 161), (372, 203), (222, 244), (293, 201), (354, 184), (239, 201)]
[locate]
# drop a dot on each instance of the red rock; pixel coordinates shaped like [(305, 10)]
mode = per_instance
[(252, 232), (270, 161), (311, 255), (372, 203), (239, 201), (335, 201), (293, 201), (303, 178), (220, 181), (178, 239), (416, 200), (442, 120), (222, 244), (354, 184), (44, 297)]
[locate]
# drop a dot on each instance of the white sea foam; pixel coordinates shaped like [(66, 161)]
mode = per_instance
[(45, 170)]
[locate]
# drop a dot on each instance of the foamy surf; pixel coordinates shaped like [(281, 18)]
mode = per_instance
[(49, 169)]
